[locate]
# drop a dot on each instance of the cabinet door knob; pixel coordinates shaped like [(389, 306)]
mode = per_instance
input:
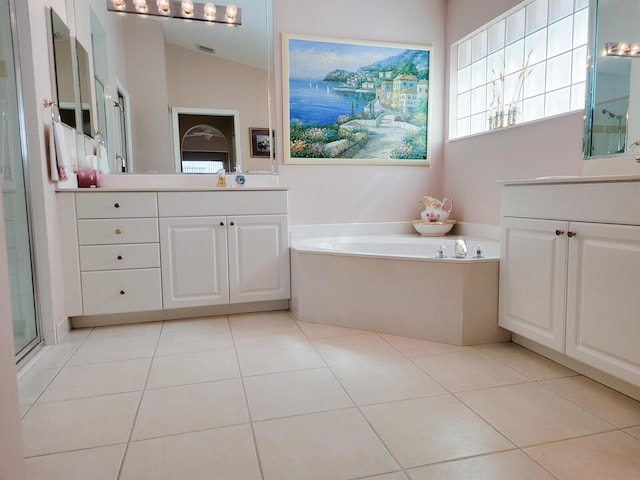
[(231, 223), (222, 224), (117, 205), (118, 231), (571, 234), (559, 232), (119, 257), (122, 292)]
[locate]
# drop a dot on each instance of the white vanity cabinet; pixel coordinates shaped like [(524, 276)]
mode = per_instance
[(118, 247), (159, 253), (216, 250), (570, 270)]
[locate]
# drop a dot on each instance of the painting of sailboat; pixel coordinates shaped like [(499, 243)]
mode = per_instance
[(355, 102)]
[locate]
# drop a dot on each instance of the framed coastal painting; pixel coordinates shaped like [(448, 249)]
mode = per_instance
[(354, 102)]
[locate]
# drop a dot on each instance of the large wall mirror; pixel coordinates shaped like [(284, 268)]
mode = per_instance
[(62, 44), (145, 67), (612, 125)]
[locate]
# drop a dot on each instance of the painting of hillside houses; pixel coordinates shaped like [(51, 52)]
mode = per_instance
[(354, 102)]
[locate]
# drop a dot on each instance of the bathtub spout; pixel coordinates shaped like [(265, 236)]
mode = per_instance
[(461, 248)]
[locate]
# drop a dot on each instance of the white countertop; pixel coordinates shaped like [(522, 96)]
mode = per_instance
[(572, 179), (172, 189)]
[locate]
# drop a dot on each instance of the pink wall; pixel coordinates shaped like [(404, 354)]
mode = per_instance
[(346, 194), (473, 166)]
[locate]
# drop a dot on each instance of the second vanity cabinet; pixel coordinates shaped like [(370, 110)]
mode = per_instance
[(570, 271), (160, 250)]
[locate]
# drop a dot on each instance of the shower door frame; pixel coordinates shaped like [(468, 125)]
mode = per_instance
[(29, 348)]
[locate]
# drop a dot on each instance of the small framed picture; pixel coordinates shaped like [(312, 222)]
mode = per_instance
[(261, 142)]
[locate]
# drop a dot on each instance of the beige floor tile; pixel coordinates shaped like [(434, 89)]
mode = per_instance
[(634, 431), (196, 367), (367, 347), (223, 453), (314, 331), (56, 356), (468, 370), (102, 463), (33, 382), (278, 357), (294, 393), (262, 335), (188, 408), (76, 336), (130, 330), (98, 379), (614, 407), (76, 424), (384, 381), (528, 363), (432, 429), (509, 465), (195, 335), (388, 476), (610, 456), (259, 320), (330, 445), (119, 347), (412, 347), (529, 413), (216, 324)]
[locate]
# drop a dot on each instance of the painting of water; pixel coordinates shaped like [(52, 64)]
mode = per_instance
[(355, 102)]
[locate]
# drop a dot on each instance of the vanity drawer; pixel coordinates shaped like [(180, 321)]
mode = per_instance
[(121, 230), (120, 291), (116, 205), (119, 257)]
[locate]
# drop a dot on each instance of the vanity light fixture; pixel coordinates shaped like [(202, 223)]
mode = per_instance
[(622, 49), (187, 9)]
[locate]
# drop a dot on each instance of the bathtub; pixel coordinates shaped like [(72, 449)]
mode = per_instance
[(393, 284)]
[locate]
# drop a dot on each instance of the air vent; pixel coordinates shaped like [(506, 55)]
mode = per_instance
[(209, 50)]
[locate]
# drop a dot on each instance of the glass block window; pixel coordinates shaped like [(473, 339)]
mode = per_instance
[(527, 64)]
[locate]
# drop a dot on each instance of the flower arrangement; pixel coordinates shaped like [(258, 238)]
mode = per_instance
[(500, 113)]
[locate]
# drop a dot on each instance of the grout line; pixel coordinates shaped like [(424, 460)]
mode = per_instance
[(135, 416), (246, 402)]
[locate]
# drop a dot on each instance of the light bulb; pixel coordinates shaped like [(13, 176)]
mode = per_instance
[(164, 7), (141, 6), (232, 12), (187, 7), (635, 48), (209, 11), (118, 4)]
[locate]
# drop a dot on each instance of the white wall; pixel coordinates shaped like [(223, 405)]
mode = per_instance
[(345, 194), (474, 165)]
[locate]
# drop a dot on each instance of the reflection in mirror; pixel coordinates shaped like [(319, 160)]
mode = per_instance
[(63, 66), (162, 63), (99, 47), (85, 89), (612, 124), (205, 141)]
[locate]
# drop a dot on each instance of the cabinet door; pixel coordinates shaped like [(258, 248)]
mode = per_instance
[(258, 258), (194, 261), (603, 304), (533, 263)]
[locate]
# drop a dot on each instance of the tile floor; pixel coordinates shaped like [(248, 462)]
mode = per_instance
[(261, 396)]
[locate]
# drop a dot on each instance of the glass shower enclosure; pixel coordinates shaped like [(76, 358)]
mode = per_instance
[(15, 197)]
